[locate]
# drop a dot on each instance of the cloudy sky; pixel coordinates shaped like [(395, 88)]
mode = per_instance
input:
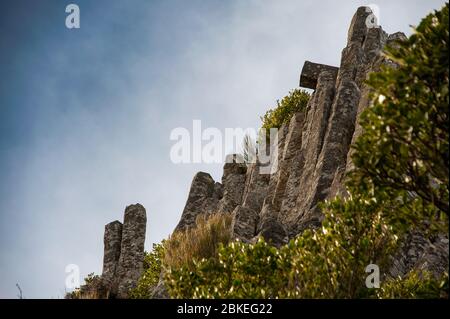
[(86, 114)]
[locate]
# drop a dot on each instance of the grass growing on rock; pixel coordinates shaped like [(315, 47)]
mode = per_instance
[(185, 247)]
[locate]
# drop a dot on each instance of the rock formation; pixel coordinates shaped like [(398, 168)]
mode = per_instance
[(313, 150), (130, 265), (313, 158), (112, 241), (123, 256)]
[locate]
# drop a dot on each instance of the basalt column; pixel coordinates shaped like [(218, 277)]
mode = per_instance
[(112, 243), (131, 259)]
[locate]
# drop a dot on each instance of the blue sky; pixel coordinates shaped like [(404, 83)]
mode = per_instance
[(86, 114)]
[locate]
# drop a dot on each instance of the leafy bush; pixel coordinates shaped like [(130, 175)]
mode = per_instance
[(92, 288), (201, 241), (415, 285), (292, 103), (241, 270), (329, 262), (75, 294), (92, 277), (404, 148), (152, 271), (323, 263)]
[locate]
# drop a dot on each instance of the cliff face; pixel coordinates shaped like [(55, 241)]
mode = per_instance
[(313, 158), (313, 149)]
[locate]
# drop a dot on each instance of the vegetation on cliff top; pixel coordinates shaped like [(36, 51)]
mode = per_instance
[(323, 263), (292, 103), (184, 249)]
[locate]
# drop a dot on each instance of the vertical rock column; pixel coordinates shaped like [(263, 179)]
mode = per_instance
[(112, 242), (131, 259), (300, 184), (363, 44), (233, 181), (203, 198)]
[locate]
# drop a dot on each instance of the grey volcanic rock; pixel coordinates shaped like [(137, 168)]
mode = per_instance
[(303, 175), (256, 187), (314, 151), (160, 291), (333, 155), (359, 25), (244, 223), (395, 37), (208, 197), (420, 253), (131, 259), (203, 198), (123, 257), (311, 71), (273, 231), (373, 44), (233, 181), (112, 244), (276, 157)]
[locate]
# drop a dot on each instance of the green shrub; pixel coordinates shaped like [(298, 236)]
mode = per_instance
[(415, 285), (75, 294), (92, 288), (329, 262), (90, 278), (404, 148), (240, 271), (292, 103), (152, 271), (323, 263)]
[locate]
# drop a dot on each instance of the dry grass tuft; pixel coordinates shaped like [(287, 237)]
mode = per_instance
[(198, 242)]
